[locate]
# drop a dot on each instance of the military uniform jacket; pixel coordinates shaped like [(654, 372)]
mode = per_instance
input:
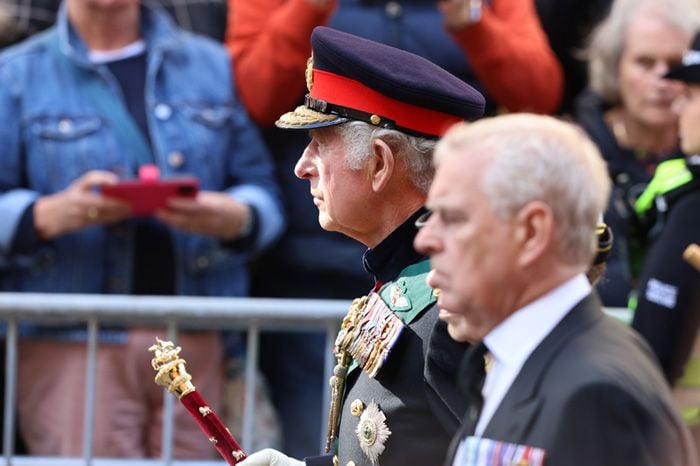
[(414, 394), (590, 395)]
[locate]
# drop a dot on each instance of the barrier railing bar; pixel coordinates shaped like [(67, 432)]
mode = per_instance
[(249, 394), (8, 442), (155, 309), (169, 408), (90, 379)]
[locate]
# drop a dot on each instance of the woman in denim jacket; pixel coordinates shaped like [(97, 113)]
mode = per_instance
[(62, 139)]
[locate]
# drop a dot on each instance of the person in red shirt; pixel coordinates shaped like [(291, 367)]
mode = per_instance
[(506, 47)]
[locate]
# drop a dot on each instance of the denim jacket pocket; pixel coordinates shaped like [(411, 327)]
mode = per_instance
[(215, 116), (62, 148), (66, 128), (206, 255), (208, 136)]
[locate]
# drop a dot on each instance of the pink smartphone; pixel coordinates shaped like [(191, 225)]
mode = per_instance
[(145, 197)]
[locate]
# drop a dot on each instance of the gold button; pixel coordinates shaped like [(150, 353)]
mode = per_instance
[(351, 463), (356, 407)]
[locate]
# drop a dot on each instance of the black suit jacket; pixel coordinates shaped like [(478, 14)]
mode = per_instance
[(590, 394)]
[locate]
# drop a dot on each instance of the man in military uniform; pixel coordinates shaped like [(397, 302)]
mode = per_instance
[(374, 113)]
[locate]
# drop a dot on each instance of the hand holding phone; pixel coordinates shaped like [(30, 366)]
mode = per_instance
[(211, 213), (149, 192), (78, 206)]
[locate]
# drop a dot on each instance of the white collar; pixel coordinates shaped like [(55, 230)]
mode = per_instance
[(512, 341), (107, 56)]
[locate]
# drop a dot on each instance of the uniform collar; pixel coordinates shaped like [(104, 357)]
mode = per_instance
[(386, 260)]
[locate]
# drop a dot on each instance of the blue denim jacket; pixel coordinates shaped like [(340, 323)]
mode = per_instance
[(51, 134)]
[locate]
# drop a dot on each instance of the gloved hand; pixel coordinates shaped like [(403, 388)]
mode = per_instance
[(270, 457)]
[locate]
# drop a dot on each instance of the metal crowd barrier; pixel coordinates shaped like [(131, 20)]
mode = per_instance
[(249, 314)]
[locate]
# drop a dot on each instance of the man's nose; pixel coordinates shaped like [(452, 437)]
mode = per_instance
[(304, 168)]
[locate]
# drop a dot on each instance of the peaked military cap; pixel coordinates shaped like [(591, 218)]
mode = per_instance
[(689, 70), (352, 78)]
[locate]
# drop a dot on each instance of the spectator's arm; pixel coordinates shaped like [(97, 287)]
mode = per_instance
[(268, 41), (14, 200), (253, 181), (510, 54)]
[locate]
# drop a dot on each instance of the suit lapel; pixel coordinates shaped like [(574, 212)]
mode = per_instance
[(443, 355), (519, 408)]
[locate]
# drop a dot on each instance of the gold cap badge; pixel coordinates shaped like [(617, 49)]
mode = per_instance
[(309, 73)]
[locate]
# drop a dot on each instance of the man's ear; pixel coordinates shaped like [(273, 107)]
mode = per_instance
[(381, 165), (534, 232)]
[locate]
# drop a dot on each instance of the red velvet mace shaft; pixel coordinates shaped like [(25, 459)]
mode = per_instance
[(172, 374), (214, 429)]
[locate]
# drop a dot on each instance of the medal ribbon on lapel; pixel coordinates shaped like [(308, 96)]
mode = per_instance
[(480, 450), (369, 334)]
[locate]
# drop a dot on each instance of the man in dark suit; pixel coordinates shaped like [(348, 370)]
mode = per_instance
[(374, 113), (514, 205)]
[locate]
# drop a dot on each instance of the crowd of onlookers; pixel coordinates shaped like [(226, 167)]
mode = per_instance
[(253, 231)]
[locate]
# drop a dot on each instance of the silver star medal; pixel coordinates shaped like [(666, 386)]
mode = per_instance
[(372, 432)]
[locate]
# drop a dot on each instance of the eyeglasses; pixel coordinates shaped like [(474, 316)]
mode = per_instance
[(423, 219)]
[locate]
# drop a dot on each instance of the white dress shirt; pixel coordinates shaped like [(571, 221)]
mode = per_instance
[(512, 342)]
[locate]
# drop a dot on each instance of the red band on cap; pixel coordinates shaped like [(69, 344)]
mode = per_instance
[(346, 92)]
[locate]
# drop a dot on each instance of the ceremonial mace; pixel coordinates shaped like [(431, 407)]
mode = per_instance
[(172, 374)]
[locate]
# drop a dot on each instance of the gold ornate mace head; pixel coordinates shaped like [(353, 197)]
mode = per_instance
[(171, 372)]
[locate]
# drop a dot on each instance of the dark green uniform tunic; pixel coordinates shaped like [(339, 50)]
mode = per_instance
[(414, 394)]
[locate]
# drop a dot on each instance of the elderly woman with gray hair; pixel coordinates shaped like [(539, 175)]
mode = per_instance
[(627, 112)]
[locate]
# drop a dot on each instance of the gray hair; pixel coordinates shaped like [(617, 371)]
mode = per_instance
[(607, 41), (539, 158), (416, 152)]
